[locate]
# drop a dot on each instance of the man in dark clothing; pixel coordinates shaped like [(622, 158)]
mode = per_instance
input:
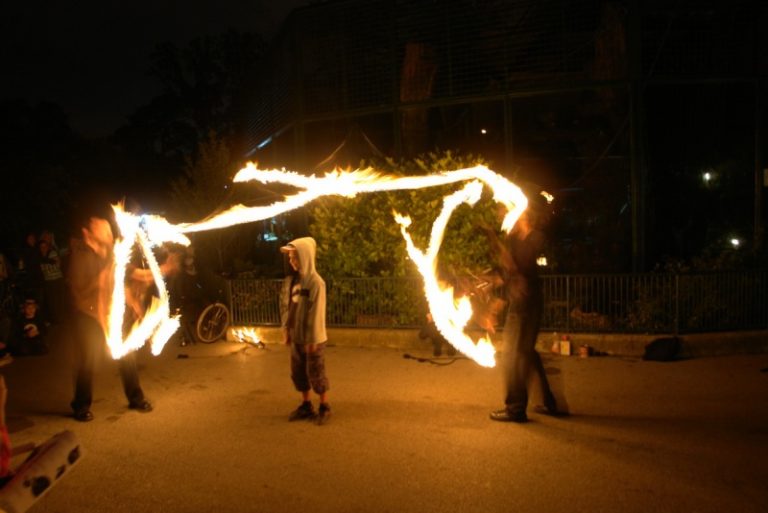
[(189, 297), (91, 283), (520, 360)]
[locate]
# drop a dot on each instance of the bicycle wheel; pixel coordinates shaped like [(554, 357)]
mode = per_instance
[(212, 323)]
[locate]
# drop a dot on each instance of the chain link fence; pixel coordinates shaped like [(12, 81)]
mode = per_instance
[(620, 303)]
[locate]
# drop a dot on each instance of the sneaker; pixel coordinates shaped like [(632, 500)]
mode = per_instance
[(303, 412), (83, 415), (324, 413), (142, 406), (505, 415)]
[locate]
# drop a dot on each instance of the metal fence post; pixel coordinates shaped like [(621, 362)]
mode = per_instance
[(568, 304), (676, 327)]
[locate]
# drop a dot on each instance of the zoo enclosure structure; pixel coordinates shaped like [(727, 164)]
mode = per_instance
[(558, 89), (617, 303)]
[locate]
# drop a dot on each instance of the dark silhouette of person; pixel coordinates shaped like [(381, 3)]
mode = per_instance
[(521, 363), (90, 278)]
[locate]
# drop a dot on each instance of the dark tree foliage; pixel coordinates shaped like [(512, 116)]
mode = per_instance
[(205, 87)]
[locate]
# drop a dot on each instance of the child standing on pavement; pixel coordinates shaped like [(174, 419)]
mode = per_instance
[(302, 312)]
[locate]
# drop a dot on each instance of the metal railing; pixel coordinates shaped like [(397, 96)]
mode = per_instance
[(620, 303)]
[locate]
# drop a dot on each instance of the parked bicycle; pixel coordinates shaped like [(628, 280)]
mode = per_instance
[(199, 298), (212, 323)]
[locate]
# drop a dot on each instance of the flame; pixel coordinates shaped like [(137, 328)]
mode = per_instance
[(351, 183), (247, 335), (156, 324), (451, 316)]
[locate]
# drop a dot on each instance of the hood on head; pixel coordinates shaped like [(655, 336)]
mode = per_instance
[(306, 247)]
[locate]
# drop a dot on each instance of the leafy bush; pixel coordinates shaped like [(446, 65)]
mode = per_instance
[(358, 237)]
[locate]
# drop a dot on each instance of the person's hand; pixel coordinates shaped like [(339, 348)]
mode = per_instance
[(171, 265)]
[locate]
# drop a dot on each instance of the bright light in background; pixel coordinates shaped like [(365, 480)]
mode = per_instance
[(735, 242), (709, 177), (483, 131)]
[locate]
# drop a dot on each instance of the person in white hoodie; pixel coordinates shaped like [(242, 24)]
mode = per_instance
[(302, 312)]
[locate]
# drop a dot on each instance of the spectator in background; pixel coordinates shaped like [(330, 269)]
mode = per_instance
[(63, 251), (53, 281), (29, 273), (29, 331), (189, 296)]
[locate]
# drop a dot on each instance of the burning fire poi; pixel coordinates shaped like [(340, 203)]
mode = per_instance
[(450, 315)]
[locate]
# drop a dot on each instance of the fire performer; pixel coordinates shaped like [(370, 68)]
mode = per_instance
[(91, 275), (521, 362), (302, 312)]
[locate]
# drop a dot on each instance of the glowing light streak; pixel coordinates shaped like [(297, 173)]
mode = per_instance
[(156, 324), (351, 183), (450, 315)]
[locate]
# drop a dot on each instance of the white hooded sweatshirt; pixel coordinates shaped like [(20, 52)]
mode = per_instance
[(302, 299)]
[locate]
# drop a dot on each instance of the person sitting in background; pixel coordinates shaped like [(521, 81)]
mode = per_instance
[(29, 337)]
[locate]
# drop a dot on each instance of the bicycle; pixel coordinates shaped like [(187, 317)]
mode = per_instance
[(212, 323)]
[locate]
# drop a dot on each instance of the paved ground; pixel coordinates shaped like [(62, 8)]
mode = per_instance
[(406, 436)]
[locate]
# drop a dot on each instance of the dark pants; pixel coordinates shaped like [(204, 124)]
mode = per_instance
[(308, 369), (54, 298), (521, 363), (90, 342)]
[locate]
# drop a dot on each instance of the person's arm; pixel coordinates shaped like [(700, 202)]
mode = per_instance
[(315, 313), (167, 268)]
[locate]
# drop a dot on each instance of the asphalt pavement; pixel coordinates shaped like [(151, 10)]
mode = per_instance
[(405, 435)]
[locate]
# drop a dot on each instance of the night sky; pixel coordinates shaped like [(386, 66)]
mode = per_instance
[(91, 58)]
